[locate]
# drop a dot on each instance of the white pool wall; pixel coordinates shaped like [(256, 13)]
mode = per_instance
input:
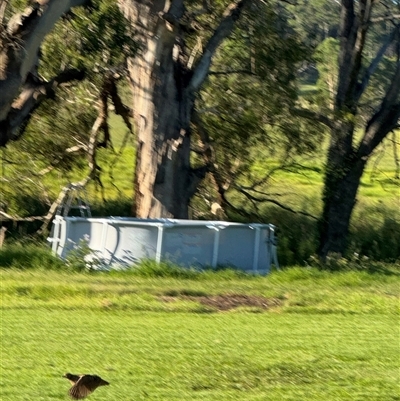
[(122, 242)]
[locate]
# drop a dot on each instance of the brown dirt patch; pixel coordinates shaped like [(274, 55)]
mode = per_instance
[(228, 301)]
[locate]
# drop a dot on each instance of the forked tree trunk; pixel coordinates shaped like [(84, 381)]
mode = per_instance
[(164, 89), (346, 162), (345, 167)]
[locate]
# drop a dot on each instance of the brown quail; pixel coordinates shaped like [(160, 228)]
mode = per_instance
[(83, 385)]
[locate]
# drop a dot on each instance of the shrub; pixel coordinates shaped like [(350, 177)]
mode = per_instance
[(374, 234)]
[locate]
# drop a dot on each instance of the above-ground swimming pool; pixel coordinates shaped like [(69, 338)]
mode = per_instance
[(118, 242)]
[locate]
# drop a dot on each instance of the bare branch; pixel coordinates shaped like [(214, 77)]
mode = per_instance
[(72, 149), (93, 170), (8, 217), (353, 31), (198, 47), (33, 94), (126, 113), (209, 159), (385, 119), (224, 185), (3, 6), (256, 199), (385, 18), (120, 108), (228, 72), (109, 89)]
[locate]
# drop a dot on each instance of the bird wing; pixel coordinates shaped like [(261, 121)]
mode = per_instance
[(72, 378), (83, 387)]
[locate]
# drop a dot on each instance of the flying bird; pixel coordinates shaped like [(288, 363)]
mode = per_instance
[(83, 385)]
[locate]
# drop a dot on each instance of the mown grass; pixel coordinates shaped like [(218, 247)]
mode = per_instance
[(334, 336), (298, 289), (233, 356)]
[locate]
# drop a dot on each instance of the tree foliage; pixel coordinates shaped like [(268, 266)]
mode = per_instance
[(315, 20), (53, 138), (94, 39), (246, 110)]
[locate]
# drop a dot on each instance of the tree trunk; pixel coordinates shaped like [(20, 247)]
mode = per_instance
[(339, 199), (344, 169), (163, 178), (163, 174), (164, 85), (345, 162)]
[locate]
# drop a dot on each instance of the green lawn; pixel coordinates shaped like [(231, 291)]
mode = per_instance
[(329, 336)]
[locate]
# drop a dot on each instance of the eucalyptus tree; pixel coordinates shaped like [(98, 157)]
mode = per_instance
[(177, 41), (175, 79)]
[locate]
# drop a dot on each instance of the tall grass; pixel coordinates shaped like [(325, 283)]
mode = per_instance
[(374, 235), (28, 255)]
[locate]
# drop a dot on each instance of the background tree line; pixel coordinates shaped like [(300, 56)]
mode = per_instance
[(212, 96)]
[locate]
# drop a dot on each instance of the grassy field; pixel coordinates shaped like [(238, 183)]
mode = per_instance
[(322, 336)]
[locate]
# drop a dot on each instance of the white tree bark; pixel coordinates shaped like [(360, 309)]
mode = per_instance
[(19, 45)]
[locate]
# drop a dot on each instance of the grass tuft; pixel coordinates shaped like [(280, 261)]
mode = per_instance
[(149, 268), (28, 255)]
